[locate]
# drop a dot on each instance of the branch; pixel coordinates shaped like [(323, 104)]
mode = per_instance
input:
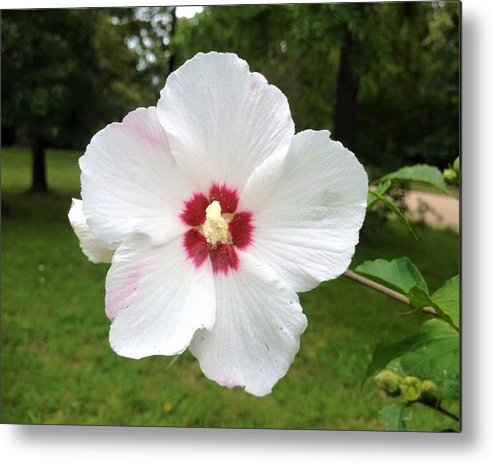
[(385, 290), (438, 408)]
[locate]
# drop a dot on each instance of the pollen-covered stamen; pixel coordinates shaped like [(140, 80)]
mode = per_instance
[(217, 229), (215, 226)]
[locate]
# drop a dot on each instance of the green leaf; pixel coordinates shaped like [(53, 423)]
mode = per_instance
[(450, 388), (393, 207), (394, 416), (431, 354), (436, 353), (447, 299), (400, 274), (383, 355), (419, 298), (381, 189), (404, 277), (422, 173)]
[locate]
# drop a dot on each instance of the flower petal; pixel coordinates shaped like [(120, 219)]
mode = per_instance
[(222, 120), (96, 250), (130, 181), (308, 209), (157, 298), (257, 329)]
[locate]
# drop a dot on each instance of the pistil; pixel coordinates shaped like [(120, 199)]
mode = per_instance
[(215, 226)]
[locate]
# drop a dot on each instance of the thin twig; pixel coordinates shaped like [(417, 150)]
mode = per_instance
[(438, 407), (386, 291)]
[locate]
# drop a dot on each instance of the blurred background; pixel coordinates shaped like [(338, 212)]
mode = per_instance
[(382, 77)]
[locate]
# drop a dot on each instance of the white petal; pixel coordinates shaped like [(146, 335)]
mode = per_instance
[(308, 209), (96, 250), (156, 298), (222, 120), (130, 181), (257, 329)]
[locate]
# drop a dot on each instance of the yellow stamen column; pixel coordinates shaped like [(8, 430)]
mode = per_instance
[(215, 226)]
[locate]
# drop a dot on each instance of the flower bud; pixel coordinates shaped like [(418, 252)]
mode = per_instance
[(429, 391), (450, 176), (456, 165), (410, 388), (388, 380)]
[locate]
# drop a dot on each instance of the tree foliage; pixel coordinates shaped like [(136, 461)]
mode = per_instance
[(49, 77), (384, 77), (404, 59), (67, 73)]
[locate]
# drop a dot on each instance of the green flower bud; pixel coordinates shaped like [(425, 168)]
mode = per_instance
[(429, 391), (410, 388), (388, 380), (456, 165), (450, 176)]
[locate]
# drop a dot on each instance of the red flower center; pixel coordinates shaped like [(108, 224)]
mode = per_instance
[(240, 227)]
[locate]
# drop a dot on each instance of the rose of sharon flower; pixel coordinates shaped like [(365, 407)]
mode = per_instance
[(217, 214)]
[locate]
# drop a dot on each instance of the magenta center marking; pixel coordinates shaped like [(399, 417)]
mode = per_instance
[(223, 256)]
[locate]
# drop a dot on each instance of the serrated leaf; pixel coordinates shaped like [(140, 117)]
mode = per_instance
[(394, 416), (400, 274), (436, 353), (393, 207), (418, 297), (447, 299), (431, 354), (422, 173), (404, 277)]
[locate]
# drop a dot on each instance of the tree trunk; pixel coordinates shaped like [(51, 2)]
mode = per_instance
[(171, 33), (346, 95), (39, 184)]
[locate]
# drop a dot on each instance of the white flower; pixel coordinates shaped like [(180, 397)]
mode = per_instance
[(219, 214), (96, 250)]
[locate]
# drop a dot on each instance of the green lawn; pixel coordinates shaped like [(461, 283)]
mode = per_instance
[(58, 368)]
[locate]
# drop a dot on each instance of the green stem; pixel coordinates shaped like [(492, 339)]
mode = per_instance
[(437, 407), (386, 291)]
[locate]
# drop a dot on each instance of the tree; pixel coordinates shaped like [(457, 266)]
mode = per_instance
[(67, 73), (44, 55), (383, 77)]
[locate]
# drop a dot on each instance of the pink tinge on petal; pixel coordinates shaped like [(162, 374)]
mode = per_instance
[(224, 259), (136, 126), (228, 382), (196, 247), (117, 299), (227, 197), (241, 229), (193, 213)]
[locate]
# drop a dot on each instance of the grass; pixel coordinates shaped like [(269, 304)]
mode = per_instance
[(58, 368)]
